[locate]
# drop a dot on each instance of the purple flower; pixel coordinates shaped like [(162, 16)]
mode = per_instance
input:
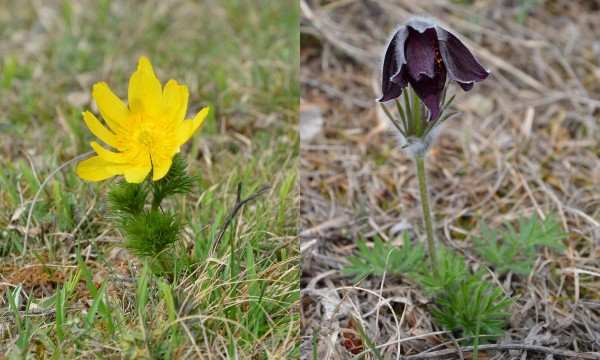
[(421, 53)]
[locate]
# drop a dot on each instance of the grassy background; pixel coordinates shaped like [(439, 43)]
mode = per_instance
[(71, 291)]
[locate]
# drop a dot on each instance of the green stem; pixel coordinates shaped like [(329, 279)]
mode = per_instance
[(420, 160), (164, 264), (155, 204), (155, 201)]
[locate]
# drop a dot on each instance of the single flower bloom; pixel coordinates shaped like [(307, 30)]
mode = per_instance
[(146, 134), (421, 54)]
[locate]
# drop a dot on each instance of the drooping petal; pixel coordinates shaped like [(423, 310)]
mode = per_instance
[(160, 168), (459, 61), (392, 64), (430, 90), (94, 169), (112, 109), (145, 91), (400, 78), (189, 127), (420, 54), (466, 86), (99, 130), (137, 174), (107, 155), (135, 171)]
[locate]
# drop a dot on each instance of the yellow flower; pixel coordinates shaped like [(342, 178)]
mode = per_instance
[(147, 134)]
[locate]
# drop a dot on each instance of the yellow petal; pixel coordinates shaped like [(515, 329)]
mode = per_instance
[(189, 127), (133, 174), (118, 169), (172, 98), (180, 114), (112, 109), (99, 130), (145, 91), (137, 175), (107, 155), (94, 169), (160, 169), (136, 168), (134, 94)]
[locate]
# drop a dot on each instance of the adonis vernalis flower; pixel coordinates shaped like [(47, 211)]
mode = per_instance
[(421, 53), (146, 134)]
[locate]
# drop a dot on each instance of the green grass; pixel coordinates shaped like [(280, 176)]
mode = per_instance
[(83, 297)]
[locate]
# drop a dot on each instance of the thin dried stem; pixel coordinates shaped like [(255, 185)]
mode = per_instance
[(236, 207)]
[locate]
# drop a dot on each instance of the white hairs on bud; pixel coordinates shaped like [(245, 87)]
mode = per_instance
[(421, 22), (416, 146)]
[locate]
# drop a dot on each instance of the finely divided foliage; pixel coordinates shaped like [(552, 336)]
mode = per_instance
[(518, 250), (384, 258), (465, 300)]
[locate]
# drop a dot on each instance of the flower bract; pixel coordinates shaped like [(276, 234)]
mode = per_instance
[(146, 133), (421, 53)]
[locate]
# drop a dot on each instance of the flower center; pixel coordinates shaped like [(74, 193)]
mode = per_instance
[(438, 55), (143, 134)]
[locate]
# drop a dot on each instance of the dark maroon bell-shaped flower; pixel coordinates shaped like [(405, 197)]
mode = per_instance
[(421, 53)]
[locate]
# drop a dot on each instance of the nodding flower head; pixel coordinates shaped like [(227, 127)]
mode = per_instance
[(421, 53)]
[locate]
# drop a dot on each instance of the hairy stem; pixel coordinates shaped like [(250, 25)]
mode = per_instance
[(420, 160)]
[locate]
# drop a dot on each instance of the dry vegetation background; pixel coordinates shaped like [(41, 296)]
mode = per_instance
[(527, 142)]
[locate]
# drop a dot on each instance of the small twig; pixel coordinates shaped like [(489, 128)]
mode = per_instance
[(460, 353), (41, 312), (236, 207), (505, 347)]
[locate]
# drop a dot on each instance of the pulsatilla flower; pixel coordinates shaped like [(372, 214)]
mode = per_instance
[(146, 134), (421, 54)]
